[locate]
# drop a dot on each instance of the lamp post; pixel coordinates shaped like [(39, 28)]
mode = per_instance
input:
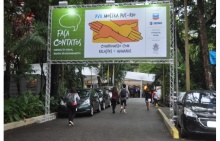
[(91, 77)]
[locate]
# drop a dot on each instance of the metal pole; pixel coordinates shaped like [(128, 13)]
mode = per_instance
[(91, 77), (113, 75), (177, 81)]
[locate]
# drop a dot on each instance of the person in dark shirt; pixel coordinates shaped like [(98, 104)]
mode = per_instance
[(148, 99), (115, 97)]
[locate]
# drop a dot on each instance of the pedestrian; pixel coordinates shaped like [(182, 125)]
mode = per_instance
[(144, 90), (152, 96), (148, 98), (71, 103), (123, 94), (114, 98), (156, 98)]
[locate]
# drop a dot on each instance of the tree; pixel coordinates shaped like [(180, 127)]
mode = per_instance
[(38, 48), (204, 44), (18, 28), (195, 42)]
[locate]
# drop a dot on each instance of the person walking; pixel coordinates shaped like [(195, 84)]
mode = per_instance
[(152, 96), (156, 98), (71, 102), (114, 98), (123, 94), (148, 98)]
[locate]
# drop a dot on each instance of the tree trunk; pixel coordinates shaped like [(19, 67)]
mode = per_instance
[(18, 75), (7, 80), (55, 72), (204, 45)]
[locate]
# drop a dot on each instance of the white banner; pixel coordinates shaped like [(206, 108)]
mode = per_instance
[(126, 32)]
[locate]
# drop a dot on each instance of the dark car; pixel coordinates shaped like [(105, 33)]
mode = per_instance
[(197, 113), (178, 99), (88, 103), (104, 98)]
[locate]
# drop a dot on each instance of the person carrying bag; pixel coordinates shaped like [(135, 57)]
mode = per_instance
[(71, 103), (123, 94)]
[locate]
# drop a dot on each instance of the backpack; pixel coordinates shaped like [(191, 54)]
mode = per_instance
[(70, 99), (123, 93)]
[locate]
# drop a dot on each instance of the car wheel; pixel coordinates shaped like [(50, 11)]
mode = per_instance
[(91, 111), (103, 105), (99, 109)]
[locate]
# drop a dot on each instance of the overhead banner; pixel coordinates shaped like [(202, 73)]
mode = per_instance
[(110, 32)]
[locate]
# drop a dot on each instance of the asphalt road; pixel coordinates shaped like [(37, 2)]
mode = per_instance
[(137, 124)]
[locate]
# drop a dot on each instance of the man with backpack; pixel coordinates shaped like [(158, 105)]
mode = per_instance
[(123, 94)]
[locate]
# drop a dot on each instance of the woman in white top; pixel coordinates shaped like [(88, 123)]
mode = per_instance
[(156, 98)]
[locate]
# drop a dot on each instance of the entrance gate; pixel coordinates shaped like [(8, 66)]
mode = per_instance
[(78, 35)]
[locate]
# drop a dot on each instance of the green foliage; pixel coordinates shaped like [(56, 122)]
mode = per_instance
[(53, 103), (92, 91), (25, 106), (119, 72), (62, 90), (146, 68)]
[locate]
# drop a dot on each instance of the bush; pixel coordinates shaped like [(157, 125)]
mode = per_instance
[(26, 106), (53, 103)]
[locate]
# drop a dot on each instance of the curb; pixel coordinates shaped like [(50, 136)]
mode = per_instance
[(38, 119), (174, 132)]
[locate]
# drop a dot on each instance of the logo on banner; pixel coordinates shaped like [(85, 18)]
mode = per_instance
[(155, 23), (155, 16), (156, 48)]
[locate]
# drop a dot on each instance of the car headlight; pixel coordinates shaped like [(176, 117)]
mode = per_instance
[(189, 112), (87, 101)]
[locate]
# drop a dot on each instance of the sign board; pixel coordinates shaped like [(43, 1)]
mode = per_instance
[(110, 32)]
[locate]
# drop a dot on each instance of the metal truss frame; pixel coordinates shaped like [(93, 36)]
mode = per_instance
[(121, 61)]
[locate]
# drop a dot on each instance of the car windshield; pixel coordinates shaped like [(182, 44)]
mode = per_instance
[(201, 97), (83, 93)]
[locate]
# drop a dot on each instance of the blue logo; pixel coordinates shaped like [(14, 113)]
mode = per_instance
[(155, 16)]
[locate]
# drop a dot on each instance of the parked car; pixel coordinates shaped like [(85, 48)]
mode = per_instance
[(197, 113), (104, 98), (88, 103), (170, 99), (178, 99), (109, 89)]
